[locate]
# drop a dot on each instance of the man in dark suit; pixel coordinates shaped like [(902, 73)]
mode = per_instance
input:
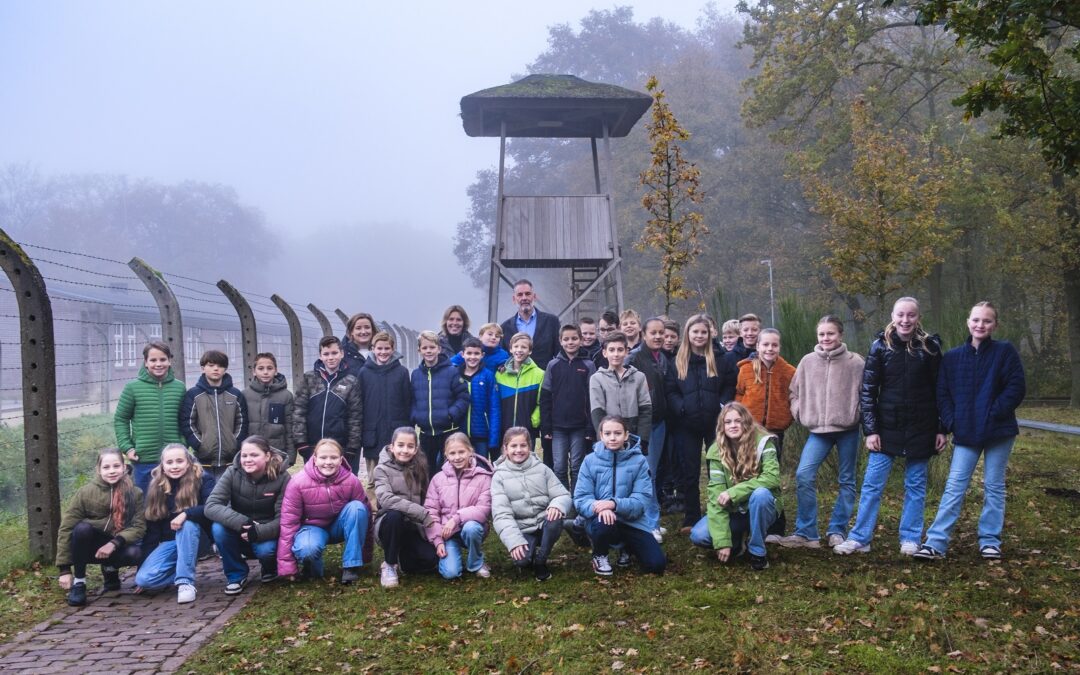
[(542, 327)]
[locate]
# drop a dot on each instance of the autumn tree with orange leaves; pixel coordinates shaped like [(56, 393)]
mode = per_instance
[(672, 188)]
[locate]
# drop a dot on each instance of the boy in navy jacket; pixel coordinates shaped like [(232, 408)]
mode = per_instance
[(564, 405)]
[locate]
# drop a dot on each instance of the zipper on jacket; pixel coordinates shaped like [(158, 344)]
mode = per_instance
[(430, 412), (325, 402), (217, 416), (768, 383)]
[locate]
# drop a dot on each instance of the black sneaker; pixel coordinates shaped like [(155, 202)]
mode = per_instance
[(541, 572), (990, 552), (268, 576), (236, 587), (759, 562), (928, 553), (624, 558), (112, 578), (350, 575), (76, 596)]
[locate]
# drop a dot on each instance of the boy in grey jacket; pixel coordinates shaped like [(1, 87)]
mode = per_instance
[(620, 389)]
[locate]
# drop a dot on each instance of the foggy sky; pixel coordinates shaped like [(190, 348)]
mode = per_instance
[(331, 117)]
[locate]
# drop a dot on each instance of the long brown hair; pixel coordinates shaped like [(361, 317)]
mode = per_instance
[(739, 456), (682, 359), (416, 471), (122, 505), (187, 491)]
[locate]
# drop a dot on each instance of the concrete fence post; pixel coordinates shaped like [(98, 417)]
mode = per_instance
[(343, 316), (41, 442), (248, 330), (324, 323), (172, 328), (296, 339)]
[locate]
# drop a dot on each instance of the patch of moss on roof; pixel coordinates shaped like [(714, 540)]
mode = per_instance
[(558, 86)]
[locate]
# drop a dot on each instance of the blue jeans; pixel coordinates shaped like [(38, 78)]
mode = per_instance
[(172, 562), (813, 454), (992, 518), (140, 475), (639, 543), (233, 549), (878, 467), (567, 450), (471, 536), (656, 453), (351, 527), (762, 514)]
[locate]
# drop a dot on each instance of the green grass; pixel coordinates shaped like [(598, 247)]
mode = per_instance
[(810, 611), (1054, 414)]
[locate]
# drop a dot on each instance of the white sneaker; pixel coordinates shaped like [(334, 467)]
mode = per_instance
[(658, 535), (850, 546), (185, 593), (663, 530), (908, 547), (388, 576), (799, 541), (601, 565), (773, 539), (484, 572), (835, 539)]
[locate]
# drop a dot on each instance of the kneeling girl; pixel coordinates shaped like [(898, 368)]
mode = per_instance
[(401, 479), (245, 508), (324, 503), (459, 503), (614, 493)]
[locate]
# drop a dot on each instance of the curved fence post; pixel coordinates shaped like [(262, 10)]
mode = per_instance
[(324, 323), (248, 330), (172, 329), (296, 339), (41, 443), (343, 316)]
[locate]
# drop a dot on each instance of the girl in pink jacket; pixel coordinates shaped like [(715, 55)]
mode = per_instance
[(324, 504), (459, 502)]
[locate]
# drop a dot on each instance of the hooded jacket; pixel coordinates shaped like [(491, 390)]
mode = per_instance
[(237, 500), (463, 497), (329, 406), (214, 421), (493, 357), (626, 396), (270, 410), (387, 396), (311, 498), (767, 400), (93, 503), (979, 390), (483, 420), (158, 531), (621, 476), (392, 493), (147, 415), (564, 394), (521, 494), (440, 397), (353, 356), (898, 397), (824, 395), (721, 480), (655, 371), (519, 390), (695, 401)]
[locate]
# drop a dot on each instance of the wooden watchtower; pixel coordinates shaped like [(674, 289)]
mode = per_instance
[(575, 232)]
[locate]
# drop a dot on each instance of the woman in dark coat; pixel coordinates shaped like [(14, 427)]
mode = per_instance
[(898, 402)]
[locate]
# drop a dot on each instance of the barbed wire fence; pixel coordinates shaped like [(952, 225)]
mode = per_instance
[(102, 316)]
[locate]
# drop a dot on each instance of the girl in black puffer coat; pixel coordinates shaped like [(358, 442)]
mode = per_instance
[(697, 385), (898, 403)]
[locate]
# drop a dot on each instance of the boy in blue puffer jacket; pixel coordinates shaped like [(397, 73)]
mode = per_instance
[(440, 397), (482, 419), (614, 494)]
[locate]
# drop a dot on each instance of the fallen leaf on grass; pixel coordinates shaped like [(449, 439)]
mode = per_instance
[(617, 665), (1051, 614)]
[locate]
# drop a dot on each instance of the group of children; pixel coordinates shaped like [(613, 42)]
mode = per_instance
[(624, 411)]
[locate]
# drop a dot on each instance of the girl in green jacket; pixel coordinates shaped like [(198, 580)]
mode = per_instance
[(147, 415), (744, 485), (102, 523)]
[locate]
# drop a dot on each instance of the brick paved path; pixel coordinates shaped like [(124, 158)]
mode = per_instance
[(120, 633)]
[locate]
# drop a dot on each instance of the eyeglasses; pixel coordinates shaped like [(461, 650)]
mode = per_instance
[(609, 329)]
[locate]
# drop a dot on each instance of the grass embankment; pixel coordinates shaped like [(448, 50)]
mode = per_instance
[(810, 610)]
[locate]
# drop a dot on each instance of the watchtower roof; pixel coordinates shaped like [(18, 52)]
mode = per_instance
[(553, 106)]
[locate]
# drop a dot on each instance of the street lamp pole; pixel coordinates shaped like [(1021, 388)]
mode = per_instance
[(772, 296)]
